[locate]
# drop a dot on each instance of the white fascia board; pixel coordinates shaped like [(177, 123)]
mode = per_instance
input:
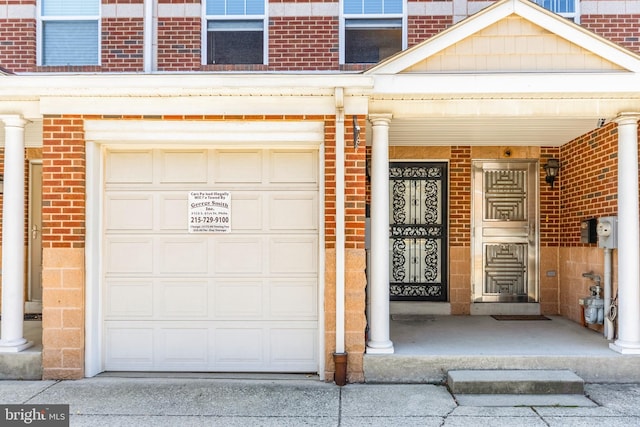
[(29, 109), (496, 108), (189, 105), (181, 85), (551, 85), (222, 133)]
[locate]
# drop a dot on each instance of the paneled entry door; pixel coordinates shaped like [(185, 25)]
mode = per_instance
[(418, 232), (505, 242)]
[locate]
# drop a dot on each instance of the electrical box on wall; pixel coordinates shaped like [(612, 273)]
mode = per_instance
[(588, 231), (607, 230)]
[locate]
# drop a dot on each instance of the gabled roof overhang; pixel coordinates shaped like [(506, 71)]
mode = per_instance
[(491, 106)]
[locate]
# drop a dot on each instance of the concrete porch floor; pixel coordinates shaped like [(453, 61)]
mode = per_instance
[(427, 347), (27, 364)]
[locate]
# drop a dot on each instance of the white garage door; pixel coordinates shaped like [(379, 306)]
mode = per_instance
[(239, 301)]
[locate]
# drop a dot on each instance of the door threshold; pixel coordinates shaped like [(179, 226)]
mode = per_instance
[(420, 308), (504, 308)]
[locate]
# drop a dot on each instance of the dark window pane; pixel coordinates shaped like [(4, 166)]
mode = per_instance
[(234, 47), (368, 45)]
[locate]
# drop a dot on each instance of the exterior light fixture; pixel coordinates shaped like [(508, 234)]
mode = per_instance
[(1, 183), (551, 168), (356, 133)]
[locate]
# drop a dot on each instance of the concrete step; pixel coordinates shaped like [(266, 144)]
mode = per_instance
[(531, 381), (25, 365)]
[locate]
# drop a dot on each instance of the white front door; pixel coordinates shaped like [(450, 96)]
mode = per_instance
[(34, 303), (246, 300)]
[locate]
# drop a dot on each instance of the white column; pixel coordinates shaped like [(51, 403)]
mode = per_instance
[(379, 287), (13, 220), (628, 341)]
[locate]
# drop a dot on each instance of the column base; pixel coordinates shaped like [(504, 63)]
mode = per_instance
[(380, 347), (625, 348), (14, 348)]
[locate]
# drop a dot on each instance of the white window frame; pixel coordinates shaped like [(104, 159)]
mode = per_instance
[(345, 16), (574, 16), (205, 28), (40, 19)]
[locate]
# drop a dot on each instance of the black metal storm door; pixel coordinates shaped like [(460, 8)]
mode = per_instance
[(418, 230)]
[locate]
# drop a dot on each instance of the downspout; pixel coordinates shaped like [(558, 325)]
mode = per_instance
[(340, 355), (149, 36)]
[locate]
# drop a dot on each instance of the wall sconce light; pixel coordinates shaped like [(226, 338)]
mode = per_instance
[(356, 133), (1, 184), (551, 168)]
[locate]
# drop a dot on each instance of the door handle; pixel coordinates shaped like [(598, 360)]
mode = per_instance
[(34, 232)]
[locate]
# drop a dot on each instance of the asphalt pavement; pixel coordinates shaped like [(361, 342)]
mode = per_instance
[(307, 401)]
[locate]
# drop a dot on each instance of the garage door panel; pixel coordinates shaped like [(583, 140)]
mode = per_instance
[(186, 255), (290, 255), (129, 346), (173, 208), (233, 255), (293, 347), (239, 299), (129, 167), (243, 166), (239, 345), (294, 299), (247, 211), (293, 167), (125, 211), (188, 166), (183, 347), (129, 255), (128, 298), (183, 299), (293, 211)]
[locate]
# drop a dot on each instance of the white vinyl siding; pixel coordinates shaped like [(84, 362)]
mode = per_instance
[(69, 32)]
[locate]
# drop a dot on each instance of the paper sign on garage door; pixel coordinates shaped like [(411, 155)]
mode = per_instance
[(209, 212)]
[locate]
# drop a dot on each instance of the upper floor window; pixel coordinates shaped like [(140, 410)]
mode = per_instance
[(373, 30), (566, 8), (69, 32), (235, 31)]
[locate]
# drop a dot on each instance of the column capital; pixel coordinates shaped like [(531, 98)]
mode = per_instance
[(626, 118), (380, 119), (13, 120)]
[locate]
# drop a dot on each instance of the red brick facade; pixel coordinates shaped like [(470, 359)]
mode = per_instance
[(620, 29)]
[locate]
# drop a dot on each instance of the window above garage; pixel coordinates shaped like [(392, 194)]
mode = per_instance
[(372, 30), (235, 32), (567, 8), (69, 32)]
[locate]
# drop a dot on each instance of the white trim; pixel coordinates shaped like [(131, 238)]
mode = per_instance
[(94, 357), (248, 133), (321, 264), (340, 222), (150, 35), (30, 225)]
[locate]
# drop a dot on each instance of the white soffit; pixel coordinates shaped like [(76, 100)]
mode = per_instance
[(196, 133), (512, 131), (526, 9)]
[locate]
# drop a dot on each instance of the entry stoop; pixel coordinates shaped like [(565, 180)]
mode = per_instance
[(515, 382), (25, 365), (518, 388)]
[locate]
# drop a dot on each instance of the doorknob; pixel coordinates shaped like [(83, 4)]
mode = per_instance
[(34, 232)]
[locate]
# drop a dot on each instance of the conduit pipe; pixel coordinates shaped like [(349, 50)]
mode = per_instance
[(608, 322), (340, 355)]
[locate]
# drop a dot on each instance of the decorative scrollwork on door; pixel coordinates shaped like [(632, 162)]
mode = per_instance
[(418, 231)]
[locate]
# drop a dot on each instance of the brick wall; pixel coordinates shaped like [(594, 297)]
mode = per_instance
[(179, 44), (18, 44), (549, 201), (122, 44), (421, 28), (621, 29), (460, 196), (303, 43)]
